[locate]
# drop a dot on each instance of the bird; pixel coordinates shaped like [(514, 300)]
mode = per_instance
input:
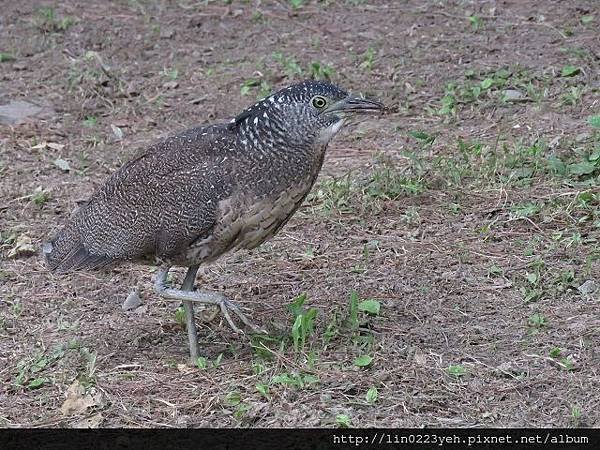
[(207, 191)]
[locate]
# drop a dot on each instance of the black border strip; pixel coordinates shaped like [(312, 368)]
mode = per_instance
[(422, 438)]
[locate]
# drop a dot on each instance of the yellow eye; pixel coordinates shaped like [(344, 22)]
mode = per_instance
[(319, 102)]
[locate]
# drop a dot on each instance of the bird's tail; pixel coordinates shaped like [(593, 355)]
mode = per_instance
[(66, 252)]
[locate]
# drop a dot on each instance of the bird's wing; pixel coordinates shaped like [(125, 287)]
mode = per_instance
[(155, 205)]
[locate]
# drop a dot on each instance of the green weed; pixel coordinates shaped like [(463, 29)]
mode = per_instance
[(537, 321), (204, 363), (363, 361), (48, 22), (171, 74), (260, 87), (476, 23), (30, 372), (90, 121), (343, 421), (456, 370), (289, 64), (304, 319), (180, 317), (6, 57), (368, 59), (40, 197), (573, 96), (321, 71), (372, 395), (570, 71), (295, 379)]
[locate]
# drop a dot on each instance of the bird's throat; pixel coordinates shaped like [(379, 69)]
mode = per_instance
[(328, 133)]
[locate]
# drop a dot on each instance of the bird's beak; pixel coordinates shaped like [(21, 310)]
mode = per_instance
[(355, 105)]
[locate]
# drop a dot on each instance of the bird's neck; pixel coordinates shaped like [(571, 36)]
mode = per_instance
[(273, 143), (293, 158)]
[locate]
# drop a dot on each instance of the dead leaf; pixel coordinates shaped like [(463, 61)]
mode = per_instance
[(52, 145), (55, 146), (141, 310), (185, 369), (420, 358), (78, 401), (121, 123), (23, 247), (116, 131)]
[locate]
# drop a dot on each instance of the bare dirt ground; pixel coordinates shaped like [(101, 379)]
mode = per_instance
[(470, 215)]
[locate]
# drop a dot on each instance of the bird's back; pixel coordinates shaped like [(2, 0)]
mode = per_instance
[(154, 205), (187, 200)]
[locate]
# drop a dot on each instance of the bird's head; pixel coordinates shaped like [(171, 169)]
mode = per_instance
[(303, 114)]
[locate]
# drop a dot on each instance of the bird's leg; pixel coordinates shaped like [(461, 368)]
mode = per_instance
[(188, 285), (207, 298)]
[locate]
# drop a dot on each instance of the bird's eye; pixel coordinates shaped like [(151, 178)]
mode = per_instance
[(319, 102)]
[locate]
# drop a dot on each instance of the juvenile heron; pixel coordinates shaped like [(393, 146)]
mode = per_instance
[(207, 191)]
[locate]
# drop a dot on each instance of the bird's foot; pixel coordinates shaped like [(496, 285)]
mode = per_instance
[(226, 306), (206, 298)]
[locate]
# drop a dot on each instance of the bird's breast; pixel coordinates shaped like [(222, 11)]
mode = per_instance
[(246, 221)]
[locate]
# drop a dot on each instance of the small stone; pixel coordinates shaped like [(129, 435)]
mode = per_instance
[(513, 95), (62, 164), (132, 301), (171, 85), (167, 34), (17, 111), (588, 288)]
